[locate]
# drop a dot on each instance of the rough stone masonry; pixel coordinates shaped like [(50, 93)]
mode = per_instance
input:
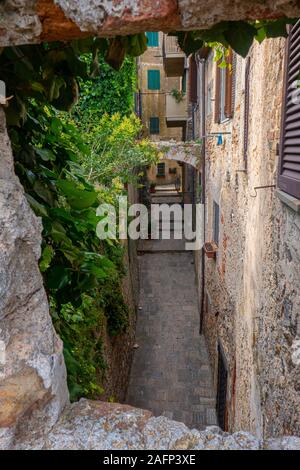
[(32, 21)]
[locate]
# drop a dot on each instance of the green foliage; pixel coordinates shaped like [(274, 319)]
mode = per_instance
[(98, 98), (82, 275), (115, 152), (239, 35), (81, 331), (177, 95)]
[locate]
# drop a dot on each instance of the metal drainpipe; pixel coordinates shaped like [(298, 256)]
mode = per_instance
[(203, 155)]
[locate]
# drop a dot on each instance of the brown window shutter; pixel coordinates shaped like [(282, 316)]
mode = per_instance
[(218, 95), (193, 80), (289, 164), (246, 111), (230, 85)]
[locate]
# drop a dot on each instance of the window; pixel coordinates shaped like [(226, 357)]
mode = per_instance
[(222, 390), (193, 79), (216, 222), (161, 169), (246, 112), (289, 163), (154, 125), (153, 39), (183, 81), (225, 90), (153, 80)]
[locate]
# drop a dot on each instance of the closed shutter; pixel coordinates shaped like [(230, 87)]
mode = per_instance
[(193, 80), (246, 111), (153, 39), (154, 125), (289, 165), (229, 86), (218, 95), (153, 80)]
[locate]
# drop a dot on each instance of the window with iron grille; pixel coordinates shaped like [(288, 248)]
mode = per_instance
[(154, 125), (153, 39), (222, 390), (289, 162), (216, 222), (161, 169), (153, 80), (225, 89)]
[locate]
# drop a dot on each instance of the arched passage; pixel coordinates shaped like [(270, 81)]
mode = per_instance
[(184, 152)]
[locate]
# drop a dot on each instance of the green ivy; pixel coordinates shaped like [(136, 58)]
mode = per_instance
[(82, 275)]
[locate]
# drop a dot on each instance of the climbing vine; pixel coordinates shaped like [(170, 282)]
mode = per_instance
[(82, 275)]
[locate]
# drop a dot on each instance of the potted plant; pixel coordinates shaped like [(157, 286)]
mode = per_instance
[(152, 187), (210, 249)]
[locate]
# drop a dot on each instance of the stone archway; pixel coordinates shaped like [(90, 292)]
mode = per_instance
[(184, 152)]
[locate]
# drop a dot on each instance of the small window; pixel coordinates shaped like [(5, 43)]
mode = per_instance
[(183, 81), (153, 39), (161, 169), (216, 223), (154, 125), (153, 80), (222, 390), (225, 89), (193, 80)]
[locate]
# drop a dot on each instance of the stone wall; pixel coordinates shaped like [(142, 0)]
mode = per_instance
[(88, 425), (253, 286), (28, 22), (32, 371)]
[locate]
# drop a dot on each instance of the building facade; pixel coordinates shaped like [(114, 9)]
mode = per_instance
[(249, 183), (162, 102), (250, 288)]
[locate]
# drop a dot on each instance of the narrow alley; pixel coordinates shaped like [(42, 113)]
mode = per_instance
[(170, 373)]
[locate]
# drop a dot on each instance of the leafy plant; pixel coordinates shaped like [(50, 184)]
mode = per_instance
[(239, 35), (177, 95), (82, 275)]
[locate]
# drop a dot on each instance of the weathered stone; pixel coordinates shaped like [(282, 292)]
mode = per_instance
[(197, 14), (283, 443), (32, 374), (252, 288), (23, 22), (90, 425)]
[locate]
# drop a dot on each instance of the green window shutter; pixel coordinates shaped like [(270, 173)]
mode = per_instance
[(153, 39), (154, 125), (153, 80)]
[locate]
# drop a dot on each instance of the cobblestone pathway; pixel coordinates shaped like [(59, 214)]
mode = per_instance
[(170, 372)]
